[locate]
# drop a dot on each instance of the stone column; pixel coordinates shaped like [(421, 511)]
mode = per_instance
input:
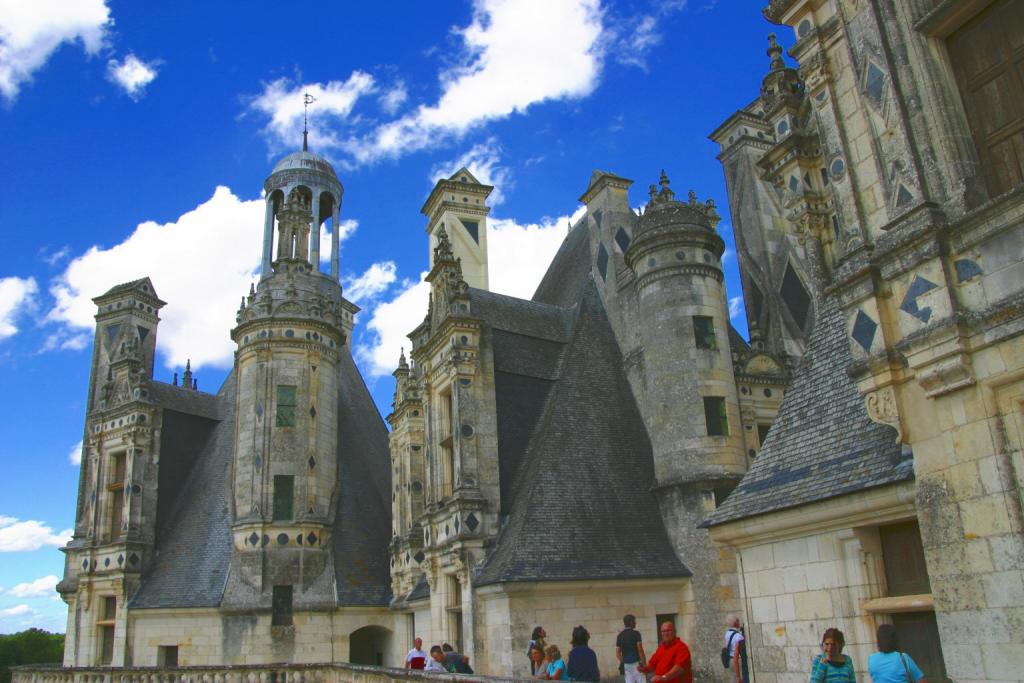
[(335, 264), (268, 235), (314, 236)]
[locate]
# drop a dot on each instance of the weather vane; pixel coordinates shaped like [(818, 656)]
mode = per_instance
[(307, 100)]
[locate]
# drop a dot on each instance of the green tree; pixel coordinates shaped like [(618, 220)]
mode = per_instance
[(33, 646)]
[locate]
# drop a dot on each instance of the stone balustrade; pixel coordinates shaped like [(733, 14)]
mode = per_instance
[(267, 673)]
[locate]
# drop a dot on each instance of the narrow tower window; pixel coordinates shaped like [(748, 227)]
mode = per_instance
[(108, 615), (281, 606), (715, 417), (704, 332), (115, 489), (286, 403), (284, 497)]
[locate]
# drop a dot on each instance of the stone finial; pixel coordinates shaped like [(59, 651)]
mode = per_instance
[(652, 191), (774, 53), (663, 181), (402, 363), (186, 377), (174, 381)]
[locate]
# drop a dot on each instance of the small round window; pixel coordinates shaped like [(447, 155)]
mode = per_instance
[(783, 127), (804, 28), (837, 168)]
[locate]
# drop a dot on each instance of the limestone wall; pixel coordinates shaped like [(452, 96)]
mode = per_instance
[(509, 613)]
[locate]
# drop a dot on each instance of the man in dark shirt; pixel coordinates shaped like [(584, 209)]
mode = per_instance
[(455, 662), (630, 651)]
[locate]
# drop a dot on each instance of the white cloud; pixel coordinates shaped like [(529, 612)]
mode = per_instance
[(40, 588), (17, 535), (633, 42), (394, 98), (31, 31), (201, 264), (736, 308), (17, 296), (512, 61), (132, 74), (348, 226), (17, 611), (519, 256), (482, 161), (389, 324), (53, 258), (372, 283), (283, 101), (75, 455)]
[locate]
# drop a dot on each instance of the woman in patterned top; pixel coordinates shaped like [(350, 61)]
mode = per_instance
[(832, 666)]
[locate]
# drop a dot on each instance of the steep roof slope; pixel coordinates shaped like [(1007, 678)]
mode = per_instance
[(822, 444), (193, 546), (362, 523), (582, 506)]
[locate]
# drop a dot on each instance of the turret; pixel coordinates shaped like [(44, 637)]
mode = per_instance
[(292, 328), (458, 206)]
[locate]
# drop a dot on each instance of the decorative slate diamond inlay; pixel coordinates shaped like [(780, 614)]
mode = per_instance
[(418, 557), (254, 538), (472, 522), (312, 462), (106, 562), (133, 559), (120, 560), (918, 287), (311, 538), (259, 462), (259, 410), (312, 412), (282, 539), (864, 330), (265, 540), (602, 262), (85, 564), (458, 525), (966, 269), (298, 539)]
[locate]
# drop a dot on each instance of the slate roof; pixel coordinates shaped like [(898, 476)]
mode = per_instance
[(362, 524), (193, 540), (184, 400), (822, 444), (193, 543), (565, 277), (580, 505)]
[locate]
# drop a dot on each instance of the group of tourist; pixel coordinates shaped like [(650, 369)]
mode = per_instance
[(671, 662), (888, 665), (442, 659)]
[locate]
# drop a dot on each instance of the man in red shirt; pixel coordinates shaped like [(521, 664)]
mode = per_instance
[(671, 661)]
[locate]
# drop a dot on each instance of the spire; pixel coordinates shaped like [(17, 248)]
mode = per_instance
[(402, 363), (186, 377), (307, 100)]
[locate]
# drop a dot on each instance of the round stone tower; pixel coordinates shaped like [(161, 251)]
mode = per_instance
[(688, 389), (676, 255), (292, 328)]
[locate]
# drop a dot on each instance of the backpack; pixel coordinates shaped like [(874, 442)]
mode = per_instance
[(727, 651)]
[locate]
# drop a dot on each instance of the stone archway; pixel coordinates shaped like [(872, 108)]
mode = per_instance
[(369, 645)]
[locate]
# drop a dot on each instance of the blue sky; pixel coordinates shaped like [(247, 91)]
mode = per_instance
[(135, 138)]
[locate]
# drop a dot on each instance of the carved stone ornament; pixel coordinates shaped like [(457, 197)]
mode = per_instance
[(882, 408), (946, 375)]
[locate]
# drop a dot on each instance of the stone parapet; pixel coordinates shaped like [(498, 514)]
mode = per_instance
[(271, 673)]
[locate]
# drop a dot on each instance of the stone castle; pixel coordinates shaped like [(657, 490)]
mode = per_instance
[(613, 445)]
